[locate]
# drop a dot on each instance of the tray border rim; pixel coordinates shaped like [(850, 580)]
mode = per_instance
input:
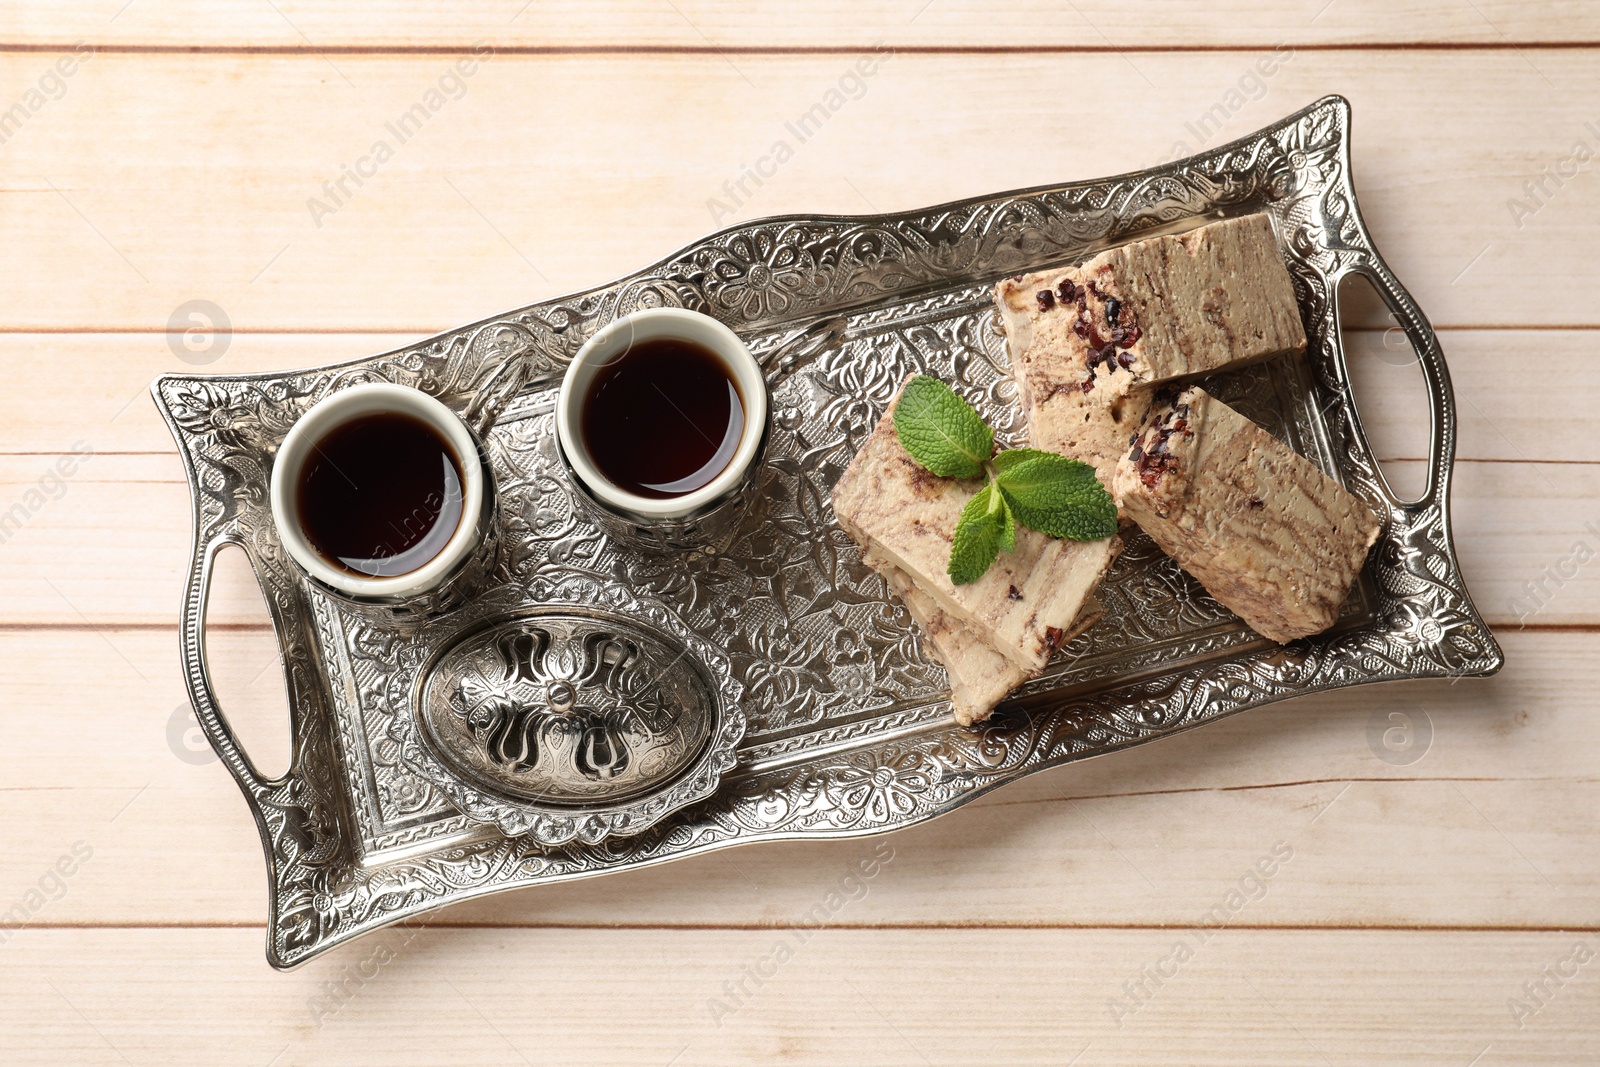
[(1435, 500)]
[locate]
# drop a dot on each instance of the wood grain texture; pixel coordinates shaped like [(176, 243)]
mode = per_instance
[(176, 163), (1497, 803), (550, 174), (494, 997), (767, 24)]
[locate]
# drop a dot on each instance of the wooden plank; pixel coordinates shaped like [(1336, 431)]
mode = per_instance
[(1497, 804), (1517, 580), (99, 387), (476, 997), (1515, 524), (129, 205), (99, 384), (97, 539), (552, 173), (726, 24)]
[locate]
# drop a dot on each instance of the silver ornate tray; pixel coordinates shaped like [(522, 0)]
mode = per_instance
[(848, 726)]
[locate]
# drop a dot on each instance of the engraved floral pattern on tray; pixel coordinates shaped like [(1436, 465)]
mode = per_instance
[(849, 730)]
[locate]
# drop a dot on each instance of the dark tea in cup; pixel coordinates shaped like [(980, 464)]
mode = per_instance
[(663, 418), (380, 495)]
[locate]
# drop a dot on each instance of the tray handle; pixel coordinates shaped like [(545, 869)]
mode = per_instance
[(203, 696), (1436, 384)]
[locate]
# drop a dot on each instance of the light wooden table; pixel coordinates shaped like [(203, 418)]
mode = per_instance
[(1424, 896)]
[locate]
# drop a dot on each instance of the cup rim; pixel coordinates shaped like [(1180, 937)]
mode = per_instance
[(657, 323), (335, 410)]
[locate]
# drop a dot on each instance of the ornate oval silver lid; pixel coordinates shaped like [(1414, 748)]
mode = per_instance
[(594, 714)]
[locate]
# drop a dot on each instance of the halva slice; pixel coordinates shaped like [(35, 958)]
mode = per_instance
[(900, 513), (1087, 344), (1269, 535), (1050, 365), (980, 677), (1168, 307)]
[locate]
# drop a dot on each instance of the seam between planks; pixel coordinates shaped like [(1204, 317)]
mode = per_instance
[(1002, 925), (846, 48)]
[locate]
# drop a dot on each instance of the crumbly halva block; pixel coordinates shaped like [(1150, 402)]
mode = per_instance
[(1215, 297), (1050, 364), (1269, 535), (1088, 344), (980, 677), (899, 512)]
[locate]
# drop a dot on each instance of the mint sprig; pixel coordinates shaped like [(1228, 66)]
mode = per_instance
[(1057, 496), (940, 430), (980, 535)]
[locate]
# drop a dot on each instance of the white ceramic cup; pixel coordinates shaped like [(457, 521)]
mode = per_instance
[(336, 410), (606, 346)]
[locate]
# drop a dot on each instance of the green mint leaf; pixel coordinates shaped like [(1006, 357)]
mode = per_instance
[(940, 430), (1057, 496), (1008, 531), (978, 536), (1013, 457)]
